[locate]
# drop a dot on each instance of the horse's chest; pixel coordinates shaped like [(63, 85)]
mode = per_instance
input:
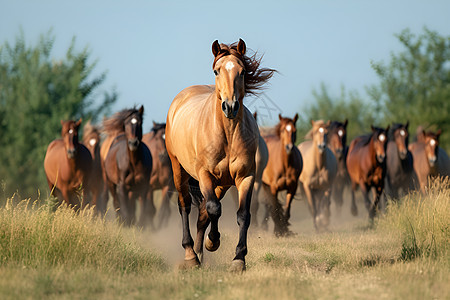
[(320, 178), (376, 177)]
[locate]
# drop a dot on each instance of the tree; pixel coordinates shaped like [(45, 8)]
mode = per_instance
[(351, 106), (36, 92), (415, 85)]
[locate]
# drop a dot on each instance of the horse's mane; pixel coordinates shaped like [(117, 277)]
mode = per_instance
[(365, 139), (309, 135), (114, 124), (255, 77), (392, 130), (90, 129), (334, 126), (157, 126)]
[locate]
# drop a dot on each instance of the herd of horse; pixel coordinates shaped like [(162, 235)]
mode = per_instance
[(211, 141)]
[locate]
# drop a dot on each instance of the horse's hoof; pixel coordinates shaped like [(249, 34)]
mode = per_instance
[(210, 246), (237, 266), (188, 264), (354, 211)]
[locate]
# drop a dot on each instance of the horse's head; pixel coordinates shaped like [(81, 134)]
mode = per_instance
[(400, 135), (380, 142), (133, 128), (319, 133), (431, 140), (337, 137), (69, 135), (287, 132), (159, 132), (91, 137), (229, 71)]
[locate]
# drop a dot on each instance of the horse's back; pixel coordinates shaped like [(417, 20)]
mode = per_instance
[(261, 158), (55, 152)]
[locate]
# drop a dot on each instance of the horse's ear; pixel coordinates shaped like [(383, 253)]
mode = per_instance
[(215, 48), (141, 110), (154, 123), (438, 133), (295, 118), (312, 122), (78, 123), (280, 117), (407, 124), (371, 127), (345, 123), (62, 122), (241, 47), (255, 114), (328, 123), (387, 128)]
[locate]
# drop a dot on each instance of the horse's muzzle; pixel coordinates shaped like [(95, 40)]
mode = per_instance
[(339, 152), (289, 148), (133, 144), (321, 147), (71, 152), (381, 158), (432, 160), (402, 154), (230, 110)]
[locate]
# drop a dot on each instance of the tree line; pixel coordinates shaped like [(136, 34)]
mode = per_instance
[(37, 91)]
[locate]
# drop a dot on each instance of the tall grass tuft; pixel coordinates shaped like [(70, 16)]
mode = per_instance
[(423, 222), (34, 236)]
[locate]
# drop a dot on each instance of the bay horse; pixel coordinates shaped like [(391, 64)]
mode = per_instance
[(67, 165), (91, 140), (319, 171), (161, 177), (337, 143), (128, 163), (429, 160), (366, 165), (211, 139), (282, 171), (399, 162)]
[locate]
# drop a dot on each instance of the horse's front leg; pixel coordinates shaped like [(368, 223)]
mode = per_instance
[(311, 202), (245, 189), (121, 202), (164, 209), (213, 208), (376, 199)]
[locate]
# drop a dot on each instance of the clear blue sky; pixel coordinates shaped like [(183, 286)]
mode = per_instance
[(154, 49)]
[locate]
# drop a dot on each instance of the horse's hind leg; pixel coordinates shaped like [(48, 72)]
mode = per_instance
[(164, 210), (202, 224), (354, 208), (181, 179)]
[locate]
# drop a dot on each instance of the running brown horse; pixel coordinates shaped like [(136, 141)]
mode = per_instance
[(211, 139), (282, 171), (128, 163), (67, 166), (399, 162), (161, 177), (337, 143), (430, 160), (91, 139), (319, 171), (366, 165)]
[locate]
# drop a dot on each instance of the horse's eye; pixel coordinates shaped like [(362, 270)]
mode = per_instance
[(216, 72)]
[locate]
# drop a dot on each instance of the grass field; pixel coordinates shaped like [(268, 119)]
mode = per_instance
[(63, 255)]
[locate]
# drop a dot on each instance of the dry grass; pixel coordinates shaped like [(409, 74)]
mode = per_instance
[(65, 255)]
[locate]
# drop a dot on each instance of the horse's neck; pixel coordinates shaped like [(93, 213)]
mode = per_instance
[(319, 158), (372, 153)]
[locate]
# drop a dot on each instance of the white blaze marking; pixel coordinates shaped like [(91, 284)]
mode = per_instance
[(321, 130), (92, 142), (229, 66), (133, 121), (288, 127), (163, 136), (382, 137), (340, 132), (433, 142), (402, 132), (70, 131)]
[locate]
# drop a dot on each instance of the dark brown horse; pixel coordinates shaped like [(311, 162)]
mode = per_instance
[(399, 162), (91, 139), (430, 160), (67, 166), (319, 171), (211, 139), (128, 163), (162, 177), (337, 143), (366, 165), (282, 171)]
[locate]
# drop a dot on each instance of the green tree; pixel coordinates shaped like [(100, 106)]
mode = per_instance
[(349, 105), (36, 92), (415, 85)]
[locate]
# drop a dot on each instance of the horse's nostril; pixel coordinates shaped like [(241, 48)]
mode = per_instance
[(235, 107)]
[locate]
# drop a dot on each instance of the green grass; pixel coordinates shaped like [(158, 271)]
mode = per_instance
[(65, 255)]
